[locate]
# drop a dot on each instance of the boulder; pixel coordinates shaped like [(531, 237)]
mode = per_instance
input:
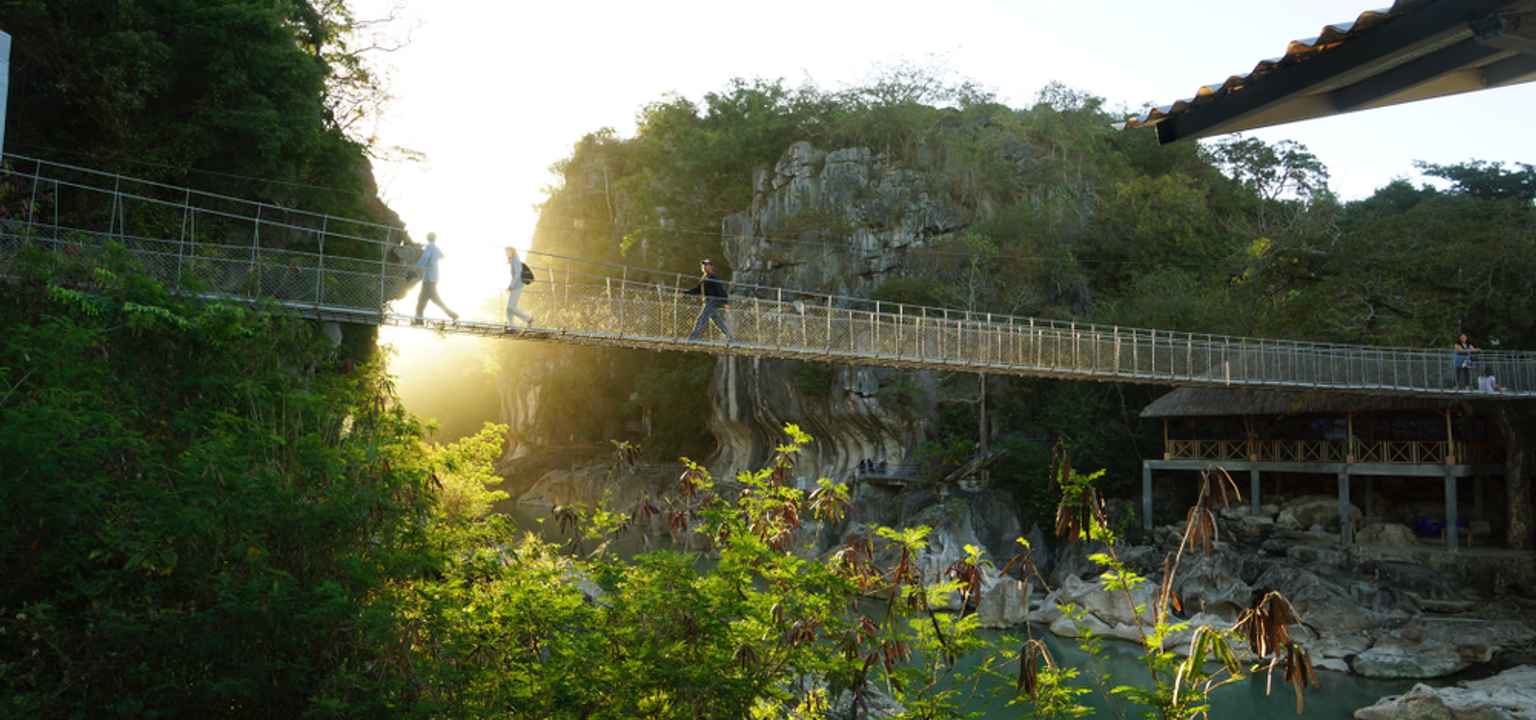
[(1047, 611), (1386, 534), (1249, 528), (1040, 550), (1322, 603), (1178, 641), (1476, 641), (1112, 607), (1090, 624), (1309, 510), (1315, 556), (1510, 695), (1427, 586), (1332, 645), (1005, 604), (1331, 664), (1213, 583), (955, 523), (1403, 660), (1072, 562), (879, 704)]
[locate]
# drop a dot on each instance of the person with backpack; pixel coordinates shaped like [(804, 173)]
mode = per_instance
[(716, 301), (426, 265), (522, 275)]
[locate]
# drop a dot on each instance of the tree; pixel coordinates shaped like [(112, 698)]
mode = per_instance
[(200, 505), (254, 99), (1486, 180)]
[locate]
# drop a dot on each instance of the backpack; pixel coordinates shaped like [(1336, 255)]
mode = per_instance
[(527, 274)]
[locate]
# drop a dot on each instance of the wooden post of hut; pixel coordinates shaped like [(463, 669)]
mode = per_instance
[(1346, 521), (1451, 530), (1450, 510), (1146, 495)]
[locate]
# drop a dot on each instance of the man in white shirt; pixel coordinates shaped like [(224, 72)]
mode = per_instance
[(427, 265)]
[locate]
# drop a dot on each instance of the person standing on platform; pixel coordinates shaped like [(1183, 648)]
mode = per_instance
[(716, 301), (1461, 360), (427, 266), (521, 276)]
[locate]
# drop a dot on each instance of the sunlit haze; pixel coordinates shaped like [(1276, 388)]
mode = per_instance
[(493, 93)]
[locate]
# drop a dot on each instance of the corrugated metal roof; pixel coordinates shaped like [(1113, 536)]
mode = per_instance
[(1297, 51)]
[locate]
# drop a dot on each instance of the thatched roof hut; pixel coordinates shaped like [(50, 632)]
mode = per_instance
[(1222, 402)]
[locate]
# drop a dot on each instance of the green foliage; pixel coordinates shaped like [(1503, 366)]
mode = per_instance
[(464, 474), (1024, 470), (664, 635), (1486, 180), (1181, 686), (907, 290), (198, 507), (813, 379), (198, 93)]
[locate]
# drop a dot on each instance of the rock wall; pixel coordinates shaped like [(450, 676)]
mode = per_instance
[(836, 222)]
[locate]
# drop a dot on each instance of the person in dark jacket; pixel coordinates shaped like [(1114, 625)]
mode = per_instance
[(716, 300)]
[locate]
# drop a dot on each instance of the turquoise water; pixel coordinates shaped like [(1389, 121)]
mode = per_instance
[(1340, 695)]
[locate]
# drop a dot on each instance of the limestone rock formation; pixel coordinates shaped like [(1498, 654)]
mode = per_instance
[(1510, 695), (849, 197), (1395, 660)]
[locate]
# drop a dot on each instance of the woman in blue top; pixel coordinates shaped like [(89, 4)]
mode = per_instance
[(1461, 360)]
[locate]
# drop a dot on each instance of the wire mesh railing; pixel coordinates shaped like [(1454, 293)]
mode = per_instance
[(640, 304), (213, 243), (216, 246)]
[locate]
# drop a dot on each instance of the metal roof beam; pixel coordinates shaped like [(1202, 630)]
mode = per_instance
[(1504, 32), (1395, 36), (1509, 71), (1409, 74)]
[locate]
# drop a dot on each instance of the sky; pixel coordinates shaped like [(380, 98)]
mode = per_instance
[(493, 93)]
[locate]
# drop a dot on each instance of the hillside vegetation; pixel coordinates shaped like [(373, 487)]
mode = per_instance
[(1069, 218)]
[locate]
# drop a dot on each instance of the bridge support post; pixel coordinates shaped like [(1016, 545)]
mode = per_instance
[(1146, 495), (1346, 524), (984, 426)]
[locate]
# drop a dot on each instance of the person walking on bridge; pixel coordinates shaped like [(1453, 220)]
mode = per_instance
[(427, 266), (716, 301), (521, 276)]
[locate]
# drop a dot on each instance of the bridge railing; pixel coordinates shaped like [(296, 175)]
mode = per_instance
[(219, 246), (644, 303), (228, 245)]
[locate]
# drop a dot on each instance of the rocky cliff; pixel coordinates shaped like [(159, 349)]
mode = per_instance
[(837, 222)]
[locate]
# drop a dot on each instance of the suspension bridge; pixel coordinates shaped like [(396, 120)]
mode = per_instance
[(325, 267)]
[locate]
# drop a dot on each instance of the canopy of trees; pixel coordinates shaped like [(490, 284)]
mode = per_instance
[(262, 100)]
